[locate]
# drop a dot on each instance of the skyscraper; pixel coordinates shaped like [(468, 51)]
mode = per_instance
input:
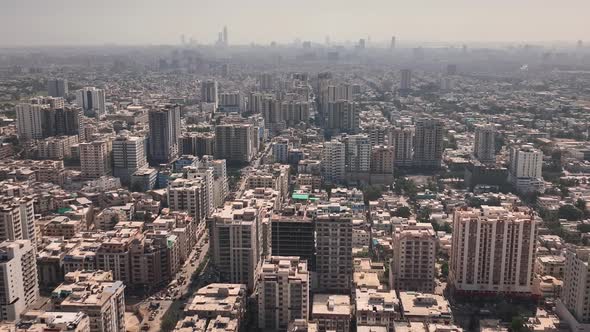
[(493, 250), (358, 153), (19, 287), (573, 303), (333, 161), (57, 87), (164, 133), (128, 156), (29, 121), (225, 40), (234, 142), (402, 140), (209, 92), (343, 116), (334, 253), (428, 149), (484, 147), (526, 164), (406, 80), (92, 101), (95, 159)]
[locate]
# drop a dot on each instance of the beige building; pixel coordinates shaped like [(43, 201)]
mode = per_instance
[(235, 234), (382, 159), (94, 159), (377, 308), (17, 219), (550, 266), (235, 142), (224, 300), (97, 295), (45, 321), (188, 195), (332, 312), (484, 147), (412, 267), (334, 252), (493, 250), (423, 307), (573, 307), (283, 292), (19, 287), (402, 140), (428, 143)]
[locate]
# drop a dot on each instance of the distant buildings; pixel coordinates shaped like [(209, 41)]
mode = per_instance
[(406, 80), (343, 116), (209, 93), (164, 133), (46, 117), (493, 251), (428, 143), (57, 87), (92, 101)]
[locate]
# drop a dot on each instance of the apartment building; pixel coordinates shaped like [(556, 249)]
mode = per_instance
[(95, 159), (334, 253), (19, 287)]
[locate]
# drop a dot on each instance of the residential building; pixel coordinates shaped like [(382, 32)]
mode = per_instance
[(402, 139), (128, 156), (334, 253), (377, 308), (484, 145), (19, 287), (332, 312), (95, 159), (92, 101), (164, 133), (343, 116), (428, 148), (425, 308), (235, 142), (217, 299), (526, 165), (333, 161), (57, 87)]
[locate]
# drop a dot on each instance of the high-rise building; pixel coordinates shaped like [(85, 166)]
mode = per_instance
[(95, 159), (17, 220), (92, 101), (392, 44), (428, 148), (406, 80), (128, 156), (357, 158), (19, 287), (333, 161), (231, 102), (402, 140), (204, 175), (266, 82), (225, 37), (188, 195), (209, 92), (295, 112), (343, 116), (29, 121), (378, 133), (525, 171), (572, 306), (220, 184), (484, 146), (412, 267), (164, 133), (46, 117), (293, 234), (382, 159), (235, 142), (57, 87), (283, 292), (235, 234), (493, 250), (334, 253)]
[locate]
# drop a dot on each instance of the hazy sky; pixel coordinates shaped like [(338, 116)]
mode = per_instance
[(48, 22)]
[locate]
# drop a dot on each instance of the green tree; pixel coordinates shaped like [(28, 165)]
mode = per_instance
[(570, 212), (423, 215), (403, 212), (517, 324), (444, 269)]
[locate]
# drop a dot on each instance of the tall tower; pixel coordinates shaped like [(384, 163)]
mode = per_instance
[(164, 133), (209, 92), (428, 149), (225, 41), (92, 101), (484, 147), (406, 81), (334, 253), (57, 87), (128, 156), (392, 45)]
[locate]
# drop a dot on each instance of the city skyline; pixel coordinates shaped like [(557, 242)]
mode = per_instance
[(425, 20)]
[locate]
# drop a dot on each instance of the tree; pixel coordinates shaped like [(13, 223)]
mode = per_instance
[(372, 193), (581, 204), (423, 215), (517, 324), (403, 212), (444, 269), (570, 212)]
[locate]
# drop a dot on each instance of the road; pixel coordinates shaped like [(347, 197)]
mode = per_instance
[(164, 300)]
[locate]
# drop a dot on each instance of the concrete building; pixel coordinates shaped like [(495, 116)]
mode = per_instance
[(333, 161), (332, 312), (235, 142), (57, 87), (382, 160), (231, 102), (213, 300), (343, 116), (95, 159), (334, 253), (377, 308), (45, 321), (406, 80), (412, 267), (484, 145), (92, 101), (220, 184), (209, 93), (164, 133), (96, 294), (493, 251), (572, 307), (188, 195), (525, 171), (402, 140), (295, 112), (129, 155), (293, 234), (17, 220), (428, 147), (280, 151), (19, 287), (283, 292), (235, 235), (357, 158), (425, 308), (29, 121)]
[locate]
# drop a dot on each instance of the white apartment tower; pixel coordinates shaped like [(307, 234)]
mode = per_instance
[(333, 161), (283, 296), (526, 164), (484, 147), (573, 304), (493, 250), (414, 256), (29, 121), (17, 220), (128, 156), (358, 153), (92, 101), (19, 287), (94, 159)]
